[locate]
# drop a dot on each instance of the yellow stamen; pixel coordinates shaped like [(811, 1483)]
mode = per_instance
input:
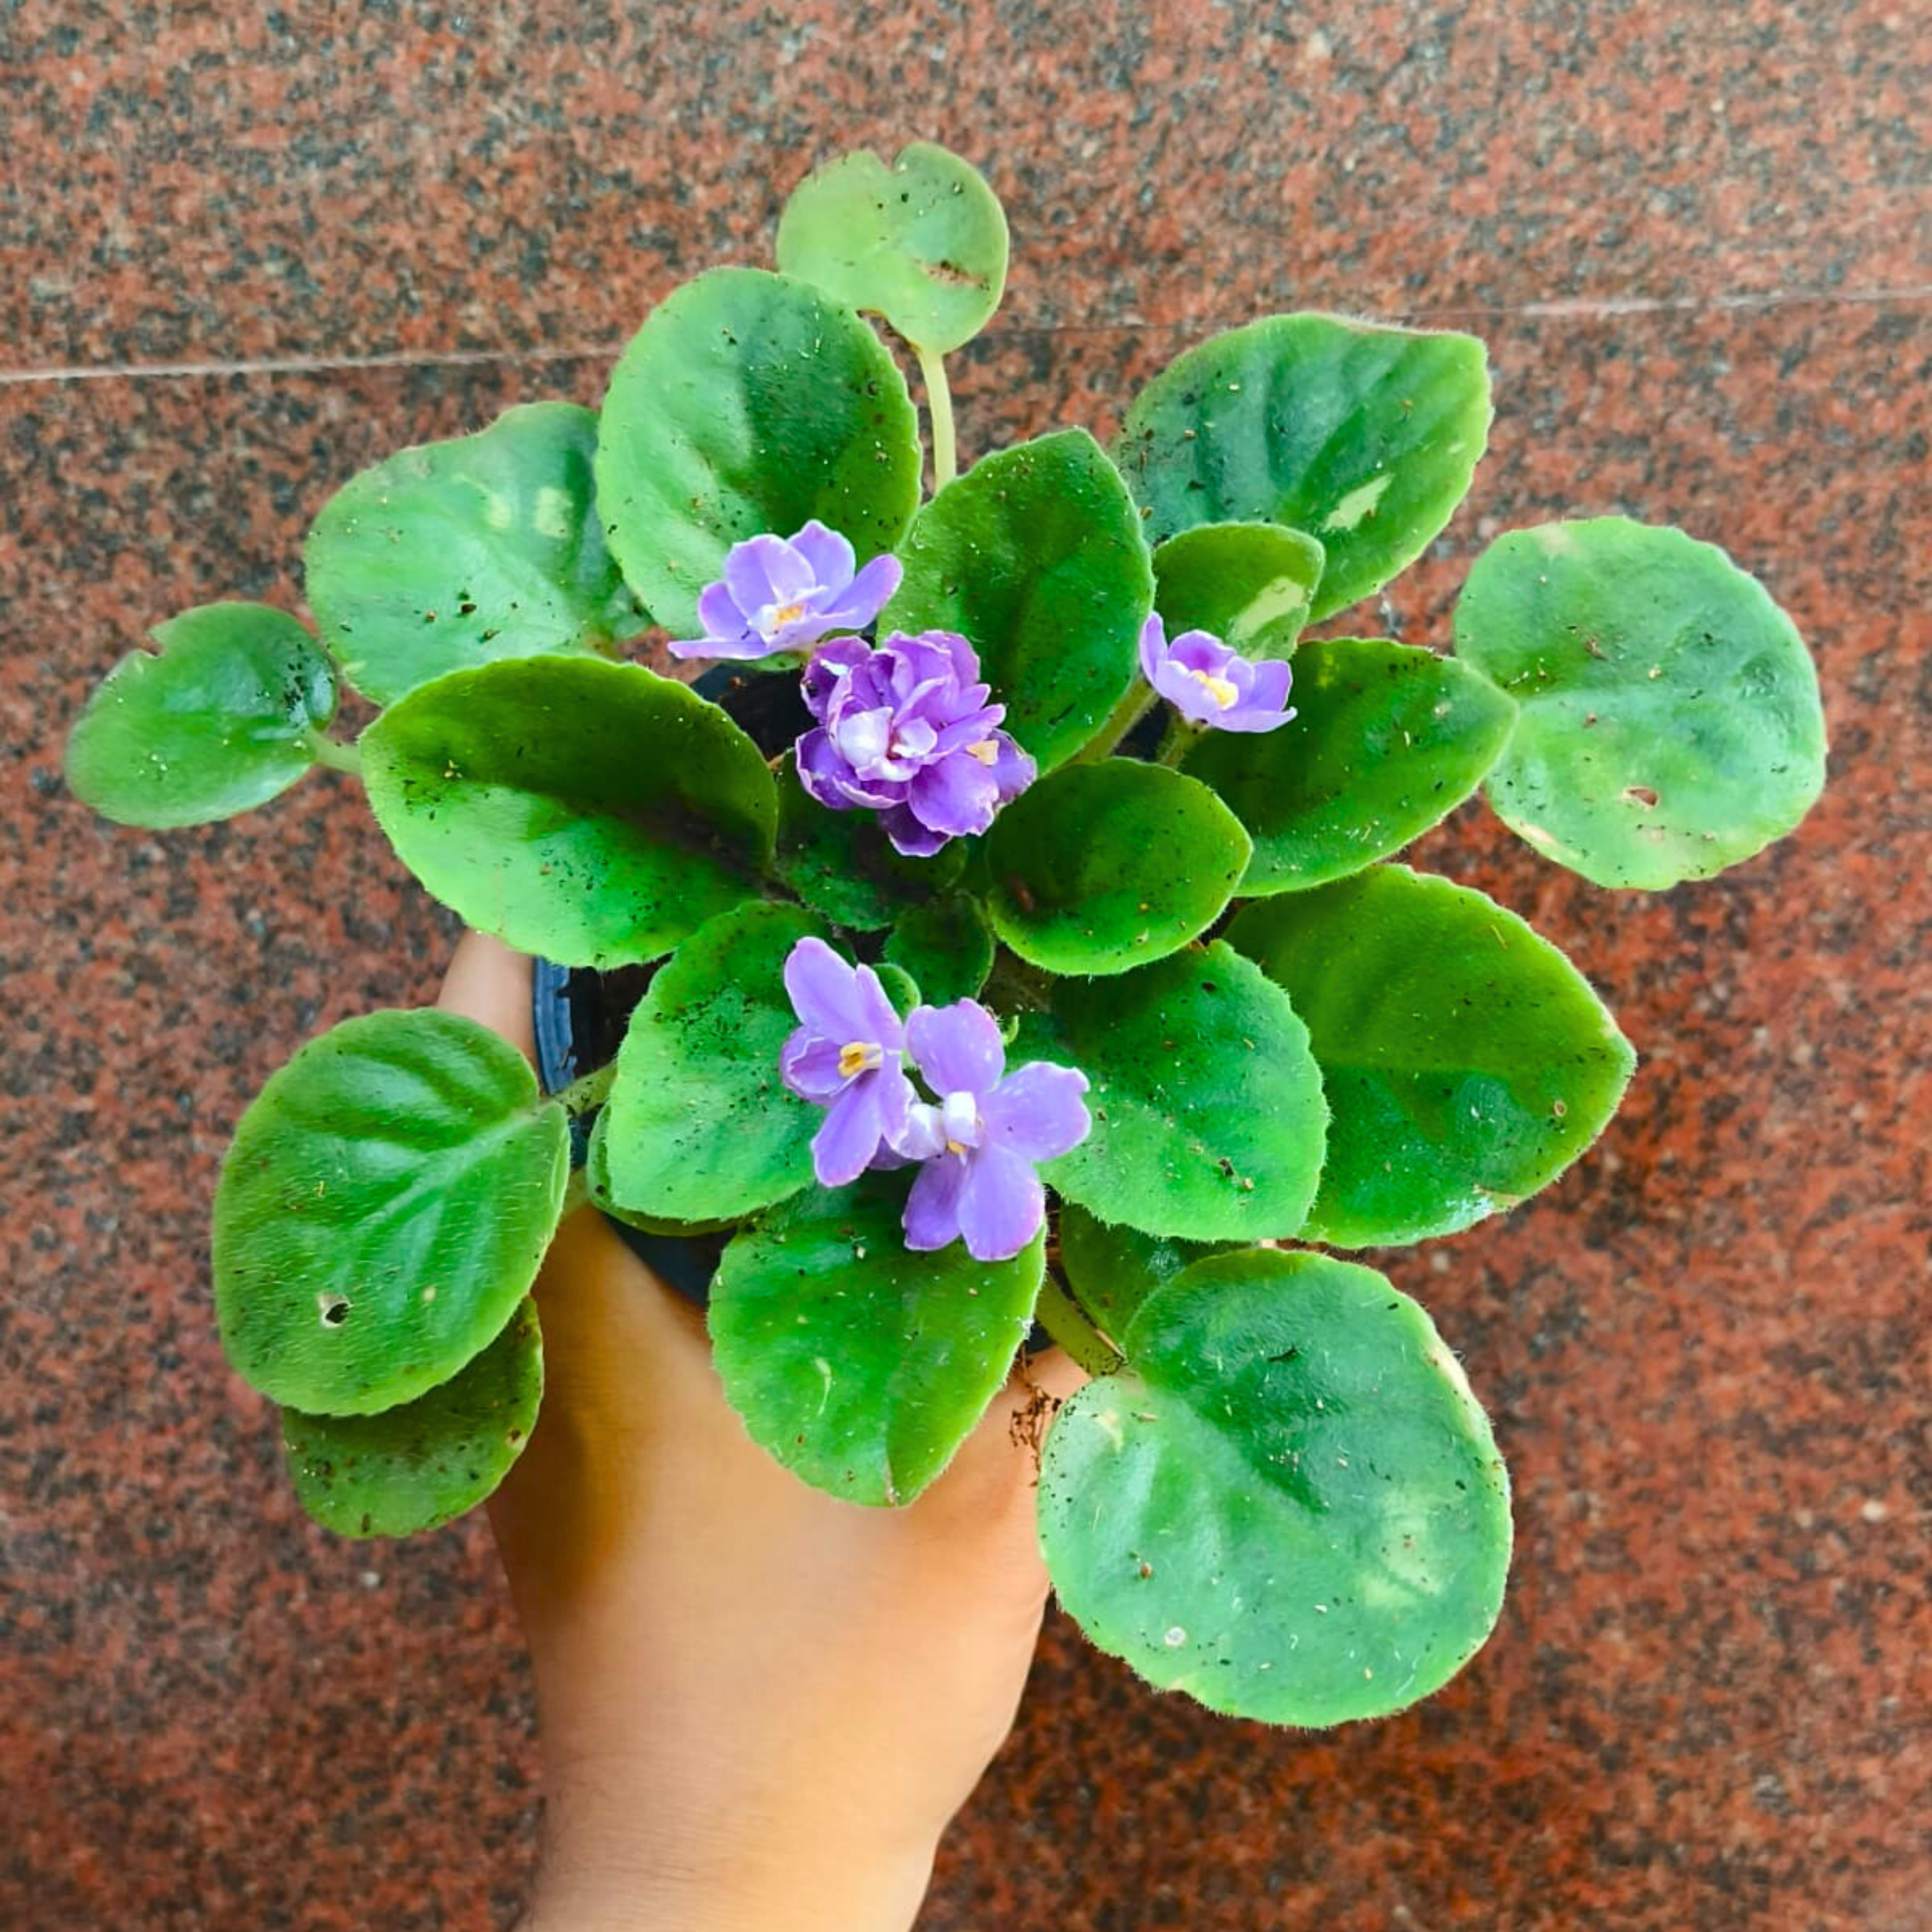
[(787, 614), (953, 1147), (986, 751), (1220, 689), (859, 1056)]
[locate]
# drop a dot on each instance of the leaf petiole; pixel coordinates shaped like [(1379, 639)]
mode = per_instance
[(334, 754), (588, 1091), (1062, 1318), (939, 409)]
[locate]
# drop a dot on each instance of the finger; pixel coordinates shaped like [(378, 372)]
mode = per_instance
[(488, 982)]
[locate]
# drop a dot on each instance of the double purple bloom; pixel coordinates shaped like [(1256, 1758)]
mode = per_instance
[(978, 1142), (784, 594), (906, 731), (1209, 684)]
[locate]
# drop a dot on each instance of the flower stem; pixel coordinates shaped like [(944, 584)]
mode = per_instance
[(581, 1095), (1060, 1316), (334, 753), (1140, 700), (1181, 734), (939, 409)]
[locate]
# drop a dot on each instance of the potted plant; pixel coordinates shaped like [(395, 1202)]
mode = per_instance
[(1014, 933)]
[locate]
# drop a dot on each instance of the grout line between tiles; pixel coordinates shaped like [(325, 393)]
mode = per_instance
[(1580, 308)]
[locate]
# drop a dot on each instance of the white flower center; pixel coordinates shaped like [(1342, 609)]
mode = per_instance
[(774, 617), (959, 1117)]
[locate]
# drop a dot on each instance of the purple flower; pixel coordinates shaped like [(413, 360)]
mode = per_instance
[(1206, 682), (906, 731), (784, 594), (847, 1057), (979, 1143)]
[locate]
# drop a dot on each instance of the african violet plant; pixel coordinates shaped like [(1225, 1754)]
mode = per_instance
[(1053, 967)]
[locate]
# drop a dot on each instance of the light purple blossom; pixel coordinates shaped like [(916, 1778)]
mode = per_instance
[(784, 593), (979, 1143), (906, 731), (847, 1057), (1209, 684)]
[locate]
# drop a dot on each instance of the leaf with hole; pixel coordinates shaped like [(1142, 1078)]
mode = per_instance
[(1102, 868), (1208, 1117), (946, 946), (861, 1365), (748, 402), (1251, 585), (700, 1126), (383, 1210), (425, 1461), (1467, 1062), (457, 553), (1365, 437), (922, 241), (222, 720), (1290, 1506), (592, 812), (1386, 740), (1670, 723), (1035, 557)]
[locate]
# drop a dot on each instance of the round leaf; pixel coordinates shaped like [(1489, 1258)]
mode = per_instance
[(748, 403), (382, 1210), (945, 947), (1035, 556), (1467, 1062), (1208, 1118), (597, 1185), (593, 812), (1670, 721), (1364, 437), (1112, 1270), (1251, 585), (1100, 868), (1387, 740), (458, 553), (1290, 1507), (700, 1125), (414, 1467), (224, 718), (921, 242), (859, 1365)]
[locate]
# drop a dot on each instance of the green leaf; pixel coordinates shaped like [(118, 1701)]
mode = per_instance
[(842, 865), (946, 946), (860, 1366), (223, 720), (1035, 556), (1112, 1270), (922, 242), (593, 812), (1100, 868), (597, 1185), (1251, 585), (382, 1210), (1208, 1118), (700, 1126), (458, 553), (1670, 721), (1290, 1506), (1467, 1062), (1387, 740), (416, 1466), (1364, 437), (748, 403)]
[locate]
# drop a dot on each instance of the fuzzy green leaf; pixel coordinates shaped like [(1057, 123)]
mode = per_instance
[(748, 403), (1113, 1269), (597, 1185), (1670, 721), (861, 1365), (1290, 1506), (946, 946), (1100, 868), (921, 242), (1251, 585), (457, 553), (1467, 1062), (1208, 1118), (1362, 437), (382, 1210), (419, 1465), (1387, 740), (1035, 556), (221, 721), (592, 812)]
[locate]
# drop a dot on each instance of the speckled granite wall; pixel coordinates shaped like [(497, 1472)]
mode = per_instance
[(245, 251)]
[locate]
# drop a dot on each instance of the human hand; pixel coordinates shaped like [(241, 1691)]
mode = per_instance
[(760, 1705)]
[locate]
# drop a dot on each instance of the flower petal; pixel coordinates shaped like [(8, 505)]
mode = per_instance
[(958, 1048), (1037, 1110), (826, 554), (875, 1004), (868, 593), (956, 796), (748, 569), (1153, 648), (823, 993), (932, 1218), (808, 1065), (1001, 1205), (849, 1136), (910, 838)]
